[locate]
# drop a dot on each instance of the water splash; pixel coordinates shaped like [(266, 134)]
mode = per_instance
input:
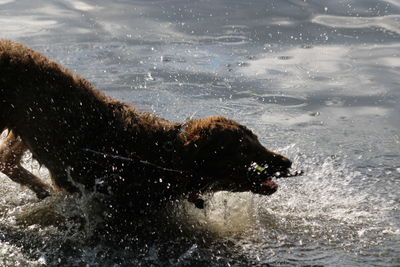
[(319, 218), (324, 217)]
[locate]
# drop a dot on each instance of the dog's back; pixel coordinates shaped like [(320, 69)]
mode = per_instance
[(55, 112)]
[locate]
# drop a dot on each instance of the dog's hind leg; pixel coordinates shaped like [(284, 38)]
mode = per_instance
[(11, 152)]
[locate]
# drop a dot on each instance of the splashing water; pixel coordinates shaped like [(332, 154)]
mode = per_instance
[(321, 217)]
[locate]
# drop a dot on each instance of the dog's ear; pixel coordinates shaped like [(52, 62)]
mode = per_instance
[(211, 150), (211, 143)]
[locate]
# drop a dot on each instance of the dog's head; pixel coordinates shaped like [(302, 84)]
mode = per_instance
[(230, 157)]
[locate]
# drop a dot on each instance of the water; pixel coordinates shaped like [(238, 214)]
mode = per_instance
[(317, 80)]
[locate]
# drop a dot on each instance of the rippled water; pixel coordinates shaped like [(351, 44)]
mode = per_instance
[(317, 80)]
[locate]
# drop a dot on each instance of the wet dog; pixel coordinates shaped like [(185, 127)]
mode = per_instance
[(89, 141)]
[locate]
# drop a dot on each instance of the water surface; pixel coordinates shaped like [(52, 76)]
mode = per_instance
[(316, 80)]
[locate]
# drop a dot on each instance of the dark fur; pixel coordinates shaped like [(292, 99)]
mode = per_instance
[(84, 137)]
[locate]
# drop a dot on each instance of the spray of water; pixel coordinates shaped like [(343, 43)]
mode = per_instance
[(326, 210)]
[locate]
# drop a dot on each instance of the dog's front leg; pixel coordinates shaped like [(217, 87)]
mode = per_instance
[(11, 152)]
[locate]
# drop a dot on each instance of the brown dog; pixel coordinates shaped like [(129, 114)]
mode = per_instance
[(86, 138)]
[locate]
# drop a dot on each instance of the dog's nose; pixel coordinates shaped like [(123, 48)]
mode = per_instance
[(286, 163), (280, 166)]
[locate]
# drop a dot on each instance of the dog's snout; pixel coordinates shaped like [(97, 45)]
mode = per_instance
[(286, 163), (283, 165)]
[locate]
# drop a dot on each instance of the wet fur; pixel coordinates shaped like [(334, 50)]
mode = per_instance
[(82, 136)]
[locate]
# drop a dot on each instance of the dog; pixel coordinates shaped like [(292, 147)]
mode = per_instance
[(89, 141)]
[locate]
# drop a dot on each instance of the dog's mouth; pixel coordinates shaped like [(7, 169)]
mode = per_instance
[(259, 180), (262, 178), (266, 187)]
